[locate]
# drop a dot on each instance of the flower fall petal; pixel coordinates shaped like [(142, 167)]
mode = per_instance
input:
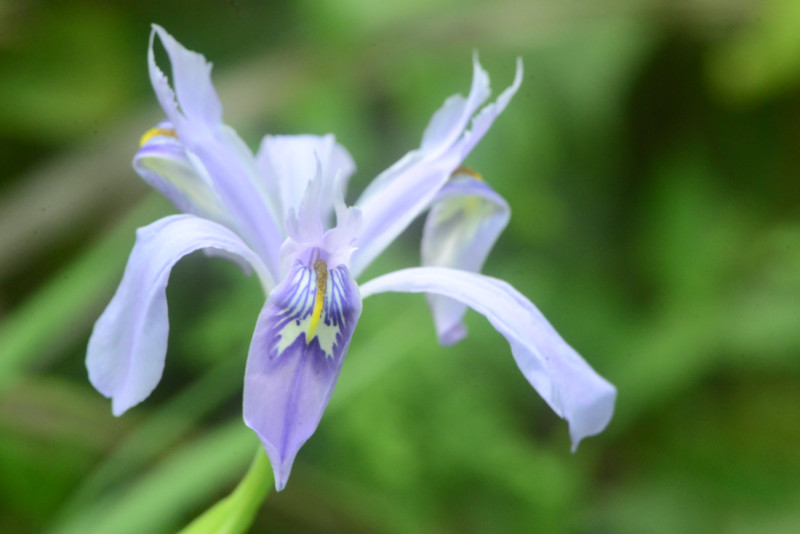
[(125, 357), (297, 351), (564, 380)]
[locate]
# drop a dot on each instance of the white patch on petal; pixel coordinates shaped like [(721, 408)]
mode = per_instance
[(304, 317)]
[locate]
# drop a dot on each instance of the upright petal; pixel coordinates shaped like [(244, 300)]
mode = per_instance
[(305, 228), (407, 188), (288, 163), (462, 226), (564, 380), (299, 345), (197, 118), (451, 119), (484, 119), (125, 357)]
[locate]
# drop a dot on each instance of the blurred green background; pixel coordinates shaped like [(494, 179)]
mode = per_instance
[(651, 162)]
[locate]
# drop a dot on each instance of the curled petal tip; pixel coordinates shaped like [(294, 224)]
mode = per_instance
[(452, 336), (281, 464), (118, 408), (592, 419)]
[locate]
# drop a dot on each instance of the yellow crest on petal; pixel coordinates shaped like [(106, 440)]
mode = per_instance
[(319, 300), (155, 132)]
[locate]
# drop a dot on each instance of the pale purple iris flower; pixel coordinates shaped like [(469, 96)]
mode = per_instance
[(281, 214)]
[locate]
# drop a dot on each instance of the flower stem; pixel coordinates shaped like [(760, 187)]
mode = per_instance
[(235, 513)]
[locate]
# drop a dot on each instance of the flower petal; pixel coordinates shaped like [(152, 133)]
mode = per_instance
[(451, 119), (564, 380), (484, 119), (305, 228), (197, 118), (462, 226), (407, 188), (288, 163), (125, 357), (164, 163), (299, 345)]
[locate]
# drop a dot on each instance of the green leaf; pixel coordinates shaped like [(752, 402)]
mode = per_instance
[(763, 58), (159, 500)]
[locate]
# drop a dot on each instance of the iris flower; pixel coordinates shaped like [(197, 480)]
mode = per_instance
[(281, 214)]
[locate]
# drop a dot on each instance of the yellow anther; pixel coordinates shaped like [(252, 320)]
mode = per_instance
[(463, 169), (322, 285), (155, 132)]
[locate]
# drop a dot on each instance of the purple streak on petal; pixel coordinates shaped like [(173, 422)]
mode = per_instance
[(125, 357), (197, 117), (462, 226), (290, 378), (406, 189), (564, 380)]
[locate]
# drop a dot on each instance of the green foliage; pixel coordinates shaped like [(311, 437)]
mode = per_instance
[(235, 513), (655, 222)]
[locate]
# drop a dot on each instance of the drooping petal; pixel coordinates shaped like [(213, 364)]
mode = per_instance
[(564, 380), (163, 162), (462, 226), (197, 118), (125, 357), (288, 163), (299, 345), (407, 188)]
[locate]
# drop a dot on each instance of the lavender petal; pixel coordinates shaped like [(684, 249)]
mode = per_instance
[(460, 230), (297, 351), (197, 118), (406, 189), (125, 357), (564, 380)]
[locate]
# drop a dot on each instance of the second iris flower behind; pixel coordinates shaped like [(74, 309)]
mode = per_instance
[(274, 212)]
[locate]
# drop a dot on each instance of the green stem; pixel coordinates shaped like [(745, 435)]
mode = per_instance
[(235, 513)]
